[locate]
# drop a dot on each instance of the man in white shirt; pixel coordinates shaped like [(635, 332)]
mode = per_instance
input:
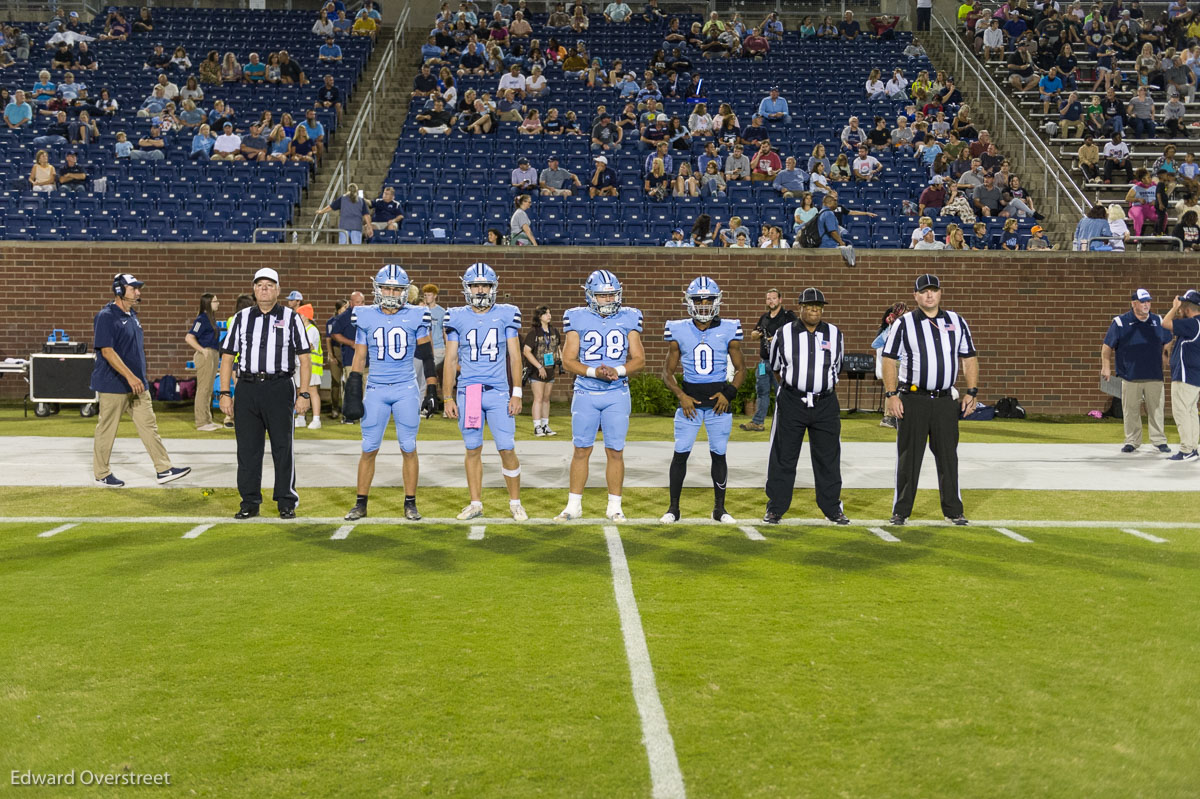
[(617, 12), (1116, 156), (897, 87), (993, 40), (866, 166), (928, 241), (170, 90), (228, 146), (513, 79)]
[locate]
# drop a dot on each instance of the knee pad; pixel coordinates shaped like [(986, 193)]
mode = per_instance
[(511, 472)]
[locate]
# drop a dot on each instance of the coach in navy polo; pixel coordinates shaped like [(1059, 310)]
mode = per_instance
[(1138, 340), (119, 378), (1183, 321)]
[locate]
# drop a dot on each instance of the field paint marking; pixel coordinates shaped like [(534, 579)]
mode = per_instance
[(884, 534), (1151, 538), (706, 521), (196, 531), (342, 532), (666, 780), (1012, 535), (61, 528), (476, 533), (753, 535)]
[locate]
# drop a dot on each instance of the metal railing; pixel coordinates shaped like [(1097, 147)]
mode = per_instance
[(364, 122), (1136, 242), (296, 233), (1058, 187)]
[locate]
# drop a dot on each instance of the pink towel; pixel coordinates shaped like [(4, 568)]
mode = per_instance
[(473, 410)]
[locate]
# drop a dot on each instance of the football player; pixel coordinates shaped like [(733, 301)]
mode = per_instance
[(483, 353), (602, 347), (389, 335), (708, 347)]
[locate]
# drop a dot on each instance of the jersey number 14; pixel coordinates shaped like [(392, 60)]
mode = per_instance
[(490, 347)]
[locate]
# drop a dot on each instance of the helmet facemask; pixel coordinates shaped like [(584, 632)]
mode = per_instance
[(394, 302), (479, 301), (703, 313)]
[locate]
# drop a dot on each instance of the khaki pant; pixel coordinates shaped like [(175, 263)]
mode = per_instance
[(1183, 410), (206, 373), (1133, 393), (112, 408), (335, 383)]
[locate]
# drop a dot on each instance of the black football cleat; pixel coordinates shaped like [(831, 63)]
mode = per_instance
[(771, 518), (246, 512), (959, 520), (898, 520), (839, 519)]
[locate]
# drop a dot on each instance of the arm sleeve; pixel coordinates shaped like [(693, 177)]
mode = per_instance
[(667, 335), (513, 328), (737, 331), (426, 326)]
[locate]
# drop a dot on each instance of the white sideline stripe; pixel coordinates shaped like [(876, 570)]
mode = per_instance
[(666, 780), (705, 521), (342, 532), (61, 528), (476, 533), (753, 535), (884, 534), (1151, 538), (1012, 535), (196, 531)]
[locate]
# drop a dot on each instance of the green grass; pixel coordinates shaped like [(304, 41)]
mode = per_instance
[(271, 661), (176, 421)]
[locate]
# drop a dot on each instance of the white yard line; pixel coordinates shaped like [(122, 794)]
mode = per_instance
[(476, 533), (666, 780), (196, 531), (1151, 538), (60, 529), (884, 534), (1014, 536), (752, 534), (342, 532)]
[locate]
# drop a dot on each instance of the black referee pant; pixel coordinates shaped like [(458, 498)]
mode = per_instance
[(932, 419), (264, 408), (823, 423)]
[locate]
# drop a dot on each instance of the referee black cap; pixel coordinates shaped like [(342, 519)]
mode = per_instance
[(927, 281), (812, 296)]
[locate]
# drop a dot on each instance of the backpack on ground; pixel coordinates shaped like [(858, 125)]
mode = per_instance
[(1009, 408)]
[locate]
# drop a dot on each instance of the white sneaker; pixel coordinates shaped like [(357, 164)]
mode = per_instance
[(518, 513), (569, 514), (210, 427), (300, 421), (616, 516), (727, 519), (546, 431), (668, 518), (472, 511), (539, 431), (315, 424)]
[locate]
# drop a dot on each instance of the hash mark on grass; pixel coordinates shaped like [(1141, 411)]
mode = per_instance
[(1151, 538), (196, 531), (342, 532), (60, 529), (753, 535), (1014, 536), (884, 534), (666, 780), (476, 533)]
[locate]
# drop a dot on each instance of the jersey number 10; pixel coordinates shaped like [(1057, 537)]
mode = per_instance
[(392, 343)]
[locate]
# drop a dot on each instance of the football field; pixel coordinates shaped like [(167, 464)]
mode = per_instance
[(491, 659)]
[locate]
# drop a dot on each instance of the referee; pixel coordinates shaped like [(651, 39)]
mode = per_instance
[(806, 357), (920, 365), (267, 339)]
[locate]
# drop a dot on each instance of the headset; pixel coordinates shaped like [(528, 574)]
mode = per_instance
[(121, 282)]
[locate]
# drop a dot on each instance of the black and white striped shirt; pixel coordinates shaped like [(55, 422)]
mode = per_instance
[(266, 343), (933, 345), (808, 362)]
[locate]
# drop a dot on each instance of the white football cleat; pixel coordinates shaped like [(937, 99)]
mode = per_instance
[(668, 518), (300, 422), (518, 513), (569, 514), (472, 511), (616, 516), (727, 519), (315, 424)]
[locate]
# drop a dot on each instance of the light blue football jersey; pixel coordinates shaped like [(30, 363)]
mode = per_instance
[(483, 342), (603, 341), (391, 341), (704, 354)]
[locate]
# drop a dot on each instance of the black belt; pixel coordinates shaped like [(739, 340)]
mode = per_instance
[(913, 391), (262, 377)]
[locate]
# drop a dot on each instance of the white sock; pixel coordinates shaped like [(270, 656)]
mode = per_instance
[(614, 502), (512, 503), (477, 503), (316, 417), (575, 501)]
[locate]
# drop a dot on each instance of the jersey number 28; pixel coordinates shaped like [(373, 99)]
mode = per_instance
[(597, 345)]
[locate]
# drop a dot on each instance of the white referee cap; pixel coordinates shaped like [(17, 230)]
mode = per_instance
[(267, 273)]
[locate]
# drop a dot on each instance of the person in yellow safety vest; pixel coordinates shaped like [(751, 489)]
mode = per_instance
[(318, 366)]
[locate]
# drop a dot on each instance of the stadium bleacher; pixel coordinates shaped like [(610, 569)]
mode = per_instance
[(175, 199), (460, 183)]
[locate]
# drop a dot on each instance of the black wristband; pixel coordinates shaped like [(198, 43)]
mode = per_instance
[(892, 394), (974, 392), (730, 391), (305, 394), (224, 393)]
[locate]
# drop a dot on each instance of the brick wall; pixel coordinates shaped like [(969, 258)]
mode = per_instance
[(1038, 319)]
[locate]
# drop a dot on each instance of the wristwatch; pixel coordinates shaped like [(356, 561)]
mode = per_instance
[(974, 392), (224, 393), (892, 394), (306, 395)]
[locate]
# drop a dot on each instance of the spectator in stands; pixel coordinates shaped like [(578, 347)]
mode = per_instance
[(273, 70), (661, 150), (1022, 73), (354, 215), (228, 146), (804, 213), (1141, 113), (329, 97), (700, 122), (123, 148), (875, 88), (519, 226), (424, 83), (316, 131), (606, 136), (437, 121), (1187, 230), (254, 144), (191, 91), (512, 80), (1009, 240), (685, 183), (1050, 87), (841, 171), (827, 224), (1088, 156), (557, 182), (848, 28), (154, 104), (791, 181), (852, 135), (775, 239), (210, 68), (365, 25), (756, 46), (1173, 114), (677, 239), (158, 60), (617, 12), (44, 89), (524, 177), (278, 144), (220, 114), (532, 124), (191, 117), (928, 240), (934, 195), (817, 157), (1189, 173), (1038, 240), (72, 175), (535, 84), (290, 71), (922, 223), (712, 182), (170, 90), (737, 165), (42, 176), (603, 182), (774, 107), (703, 233), (1071, 116), (1116, 224), (1116, 156), (765, 164), (1094, 226), (180, 61), (323, 26), (520, 27), (18, 113), (385, 211), (150, 148), (116, 29), (302, 148), (657, 183), (231, 70), (827, 29), (327, 52), (986, 198), (1142, 196), (202, 143)]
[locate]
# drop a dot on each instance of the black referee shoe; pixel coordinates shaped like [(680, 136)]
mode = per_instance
[(287, 513), (960, 520), (771, 518), (898, 520), (839, 519), (246, 511)]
